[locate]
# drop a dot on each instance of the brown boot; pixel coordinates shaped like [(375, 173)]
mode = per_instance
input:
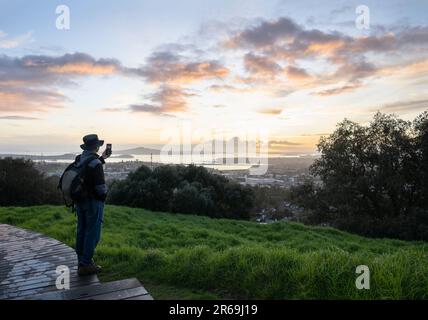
[(88, 269)]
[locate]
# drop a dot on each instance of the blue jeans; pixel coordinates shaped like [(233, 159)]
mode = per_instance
[(90, 215)]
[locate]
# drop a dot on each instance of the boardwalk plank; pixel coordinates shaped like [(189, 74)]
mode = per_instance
[(41, 279), (28, 262), (119, 294), (54, 258), (89, 292), (30, 292), (142, 297)]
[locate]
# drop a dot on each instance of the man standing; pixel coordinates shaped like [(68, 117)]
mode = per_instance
[(90, 210)]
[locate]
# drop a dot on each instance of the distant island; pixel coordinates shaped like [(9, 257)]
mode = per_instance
[(123, 156), (138, 151), (66, 156)]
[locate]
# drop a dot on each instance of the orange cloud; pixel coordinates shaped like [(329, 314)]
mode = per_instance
[(197, 71), (83, 68), (408, 69), (279, 144), (29, 100), (30, 83), (171, 71), (111, 109), (339, 90), (261, 66), (228, 88), (295, 73), (168, 99), (167, 67), (271, 111), (283, 41), (327, 48)]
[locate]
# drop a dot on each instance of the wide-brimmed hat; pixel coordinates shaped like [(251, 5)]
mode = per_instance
[(91, 142)]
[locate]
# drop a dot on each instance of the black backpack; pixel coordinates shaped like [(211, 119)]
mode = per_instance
[(72, 182)]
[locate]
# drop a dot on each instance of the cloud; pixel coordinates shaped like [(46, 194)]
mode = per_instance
[(405, 105), (315, 134), (13, 42), (340, 10), (168, 67), (282, 43), (145, 108), (295, 73), (41, 70), (265, 34), (71, 64), (18, 118), (338, 90), (412, 70), (261, 66), (19, 99), (167, 99), (271, 111), (171, 71), (406, 38), (111, 109), (278, 144), (282, 92), (290, 38), (279, 56), (227, 87), (356, 70), (31, 83)]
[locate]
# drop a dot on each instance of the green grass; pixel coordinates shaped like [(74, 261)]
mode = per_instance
[(193, 257)]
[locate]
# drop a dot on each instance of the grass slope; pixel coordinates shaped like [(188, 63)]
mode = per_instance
[(184, 256)]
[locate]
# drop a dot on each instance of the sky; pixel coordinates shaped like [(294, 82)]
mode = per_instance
[(132, 70)]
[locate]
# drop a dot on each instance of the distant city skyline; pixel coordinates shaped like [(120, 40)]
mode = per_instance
[(130, 70)]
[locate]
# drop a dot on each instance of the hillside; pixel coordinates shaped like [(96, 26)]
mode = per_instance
[(184, 256)]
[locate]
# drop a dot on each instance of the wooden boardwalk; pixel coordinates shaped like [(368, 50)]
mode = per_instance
[(28, 263)]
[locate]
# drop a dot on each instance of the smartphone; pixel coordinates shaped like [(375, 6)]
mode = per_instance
[(108, 149)]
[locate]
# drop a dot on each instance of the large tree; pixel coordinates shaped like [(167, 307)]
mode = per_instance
[(371, 169), (376, 173)]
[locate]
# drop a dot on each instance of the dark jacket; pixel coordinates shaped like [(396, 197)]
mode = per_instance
[(94, 175)]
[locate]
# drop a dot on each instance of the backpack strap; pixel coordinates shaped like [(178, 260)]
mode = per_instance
[(87, 163), (95, 162)]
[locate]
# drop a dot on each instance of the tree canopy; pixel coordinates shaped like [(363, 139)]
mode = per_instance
[(21, 184), (374, 177), (184, 189)]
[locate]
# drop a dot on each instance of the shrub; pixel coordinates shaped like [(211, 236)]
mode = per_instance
[(185, 189), (21, 184)]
